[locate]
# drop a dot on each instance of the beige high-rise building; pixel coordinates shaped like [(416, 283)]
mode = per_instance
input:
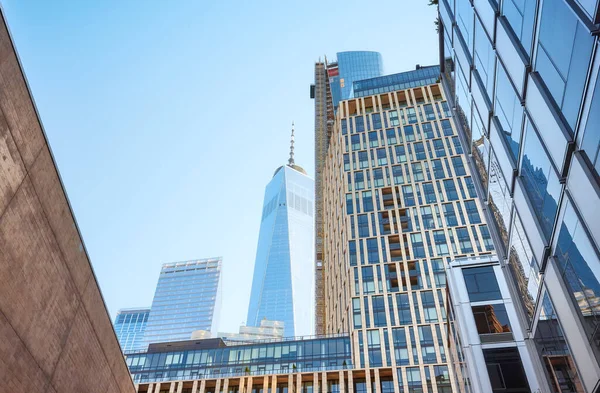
[(397, 204)]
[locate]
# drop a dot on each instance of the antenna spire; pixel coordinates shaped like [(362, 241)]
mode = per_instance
[(291, 160)]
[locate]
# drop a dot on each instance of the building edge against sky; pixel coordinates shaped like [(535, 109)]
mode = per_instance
[(283, 280), (130, 326), (524, 82)]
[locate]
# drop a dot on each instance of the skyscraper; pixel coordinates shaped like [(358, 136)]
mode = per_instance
[(187, 298), (283, 283), (130, 326), (523, 77)]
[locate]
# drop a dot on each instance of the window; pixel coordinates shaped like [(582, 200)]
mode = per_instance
[(441, 246), (429, 310), (363, 225), (427, 217), (367, 200), (438, 146), (464, 240), (372, 251), (400, 153), (409, 197), (484, 58), (391, 136), (419, 151), (427, 344), (429, 192), (450, 188), (459, 168), (363, 159), (578, 262), (346, 162), (442, 378), (355, 140), (417, 245), (378, 177), (404, 309), (368, 281), (379, 311), (373, 141), (486, 238), (349, 204), (417, 169), (438, 169), (356, 313), (413, 379), (481, 283), (360, 124), (352, 253), (376, 117), (491, 319), (439, 272), (394, 118), (450, 215), (359, 180), (409, 133), (457, 146), (428, 130), (374, 346), (540, 180), (470, 187), (472, 212), (505, 370), (411, 115), (397, 174), (563, 56), (447, 128), (344, 127), (400, 346), (521, 16), (509, 111), (381, 157)]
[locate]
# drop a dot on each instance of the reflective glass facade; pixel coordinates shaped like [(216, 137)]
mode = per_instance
[(283, 283), (523, 77), (404, 80), (277, 357), (353, 66), (187, 298), (130, 326)]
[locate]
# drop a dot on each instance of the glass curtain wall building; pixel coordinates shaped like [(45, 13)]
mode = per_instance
[(187, 298), (130, 326), (523, 77), (283, 282), (352, 66)]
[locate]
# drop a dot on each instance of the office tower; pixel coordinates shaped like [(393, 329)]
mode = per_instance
[(130, 326), (283, 283), (187, 298), (330, 79), (398, 205), (55, 331), (523, 79), (268, 330)]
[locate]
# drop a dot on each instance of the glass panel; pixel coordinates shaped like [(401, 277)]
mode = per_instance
[(505, 370), (521, 17), (540, 180), (481, 283), (491, 319)]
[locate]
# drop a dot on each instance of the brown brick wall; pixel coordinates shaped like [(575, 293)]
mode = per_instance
[(55, 332)]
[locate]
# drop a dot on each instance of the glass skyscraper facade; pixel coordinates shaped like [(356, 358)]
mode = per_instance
[(130, 326), (187, 298), (283, 283), (352, 66), (523, 77)]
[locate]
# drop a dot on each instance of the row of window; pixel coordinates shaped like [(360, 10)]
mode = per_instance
[(393, 118), (422, 147)]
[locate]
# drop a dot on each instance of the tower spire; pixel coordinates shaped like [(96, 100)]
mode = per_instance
[(291, 160)]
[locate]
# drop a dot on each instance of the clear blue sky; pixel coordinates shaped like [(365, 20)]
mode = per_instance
[(168, 118)]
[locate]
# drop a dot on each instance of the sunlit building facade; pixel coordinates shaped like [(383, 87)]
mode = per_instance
[(187, 298), (130, 326), (523, 77), (283, 282)]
